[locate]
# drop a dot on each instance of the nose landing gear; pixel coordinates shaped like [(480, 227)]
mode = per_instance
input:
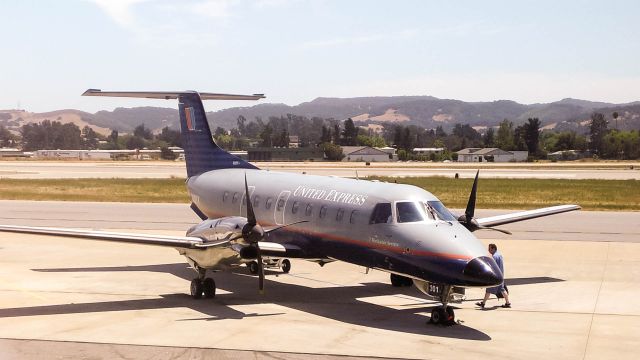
[(444, 315)]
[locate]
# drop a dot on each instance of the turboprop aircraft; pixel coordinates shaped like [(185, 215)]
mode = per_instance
[(262, 218)]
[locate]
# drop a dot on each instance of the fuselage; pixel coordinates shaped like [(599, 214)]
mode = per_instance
[(401, 229)]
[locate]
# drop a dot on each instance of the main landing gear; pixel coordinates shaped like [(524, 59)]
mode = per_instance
[(282, 264), (444, 315), (203, 286)]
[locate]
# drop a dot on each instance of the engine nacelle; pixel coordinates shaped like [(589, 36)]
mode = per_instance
[(249, 252)]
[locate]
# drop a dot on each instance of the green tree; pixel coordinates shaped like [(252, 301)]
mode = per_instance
[(7, 139), (167, 154), (349, 133), (171, 137), (597, 130), (504, 138), (89, 138), (332, 152), (143, 132), (489, 137), (532, 135), (266, 136)]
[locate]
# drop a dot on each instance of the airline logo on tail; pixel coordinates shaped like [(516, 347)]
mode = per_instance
[(191, 119)]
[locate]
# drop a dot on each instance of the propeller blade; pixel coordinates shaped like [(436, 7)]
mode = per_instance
[(260, 273), (471, 205), (495, 229), (266, 231), (251, 216)]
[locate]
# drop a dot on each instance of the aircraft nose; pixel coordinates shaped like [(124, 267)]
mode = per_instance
[(482, 271)]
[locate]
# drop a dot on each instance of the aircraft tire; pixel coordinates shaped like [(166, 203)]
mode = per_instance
[(286, 266), (196, 288), (209, 288), (253, 267), (451, 316)]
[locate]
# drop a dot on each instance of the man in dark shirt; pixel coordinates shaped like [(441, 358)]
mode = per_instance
[(500, 289)]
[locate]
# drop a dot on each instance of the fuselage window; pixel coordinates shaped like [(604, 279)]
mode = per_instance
[(268, 203), (409, 211), (352, 218), (280, 204), (256, 201), (225, 196), (294, 207), (235, 197), (340, 215), (381, 214), (323, 212), (308, 210)]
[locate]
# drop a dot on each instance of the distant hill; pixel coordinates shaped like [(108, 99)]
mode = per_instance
[(425, 111)]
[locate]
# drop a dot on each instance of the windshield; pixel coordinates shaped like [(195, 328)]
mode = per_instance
[(441, 211), (410, 211)]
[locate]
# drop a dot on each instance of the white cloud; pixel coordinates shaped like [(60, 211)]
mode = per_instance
[(119, 10), (212, 8)]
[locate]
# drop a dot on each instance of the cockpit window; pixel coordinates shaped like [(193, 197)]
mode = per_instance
[(381, 214), (409, 211), (441, 211)]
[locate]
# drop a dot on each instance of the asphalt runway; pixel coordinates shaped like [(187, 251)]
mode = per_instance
[(167, 169), (574, 296)]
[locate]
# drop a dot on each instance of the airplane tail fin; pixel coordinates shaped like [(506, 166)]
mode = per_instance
[(202, 154)]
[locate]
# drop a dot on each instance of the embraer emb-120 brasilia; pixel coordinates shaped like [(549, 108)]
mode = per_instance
[(261, 218)]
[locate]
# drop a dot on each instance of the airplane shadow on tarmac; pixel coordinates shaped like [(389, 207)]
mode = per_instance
[(337, 303)]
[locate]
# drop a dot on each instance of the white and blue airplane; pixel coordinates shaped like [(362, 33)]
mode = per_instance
[(262, 218)]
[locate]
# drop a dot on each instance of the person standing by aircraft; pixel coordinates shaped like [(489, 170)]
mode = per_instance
[(500, 289)]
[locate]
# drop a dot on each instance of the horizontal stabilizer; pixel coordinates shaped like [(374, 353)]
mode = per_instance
[(525, 215), (170, 95)]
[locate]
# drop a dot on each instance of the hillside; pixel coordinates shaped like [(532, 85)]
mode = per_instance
[(425, 111)]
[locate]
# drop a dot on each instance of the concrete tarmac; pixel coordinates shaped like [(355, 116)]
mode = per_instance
[(167, 169), (574, 297)]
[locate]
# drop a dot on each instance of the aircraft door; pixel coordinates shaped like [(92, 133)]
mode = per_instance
[(381, 224), (281, 204)]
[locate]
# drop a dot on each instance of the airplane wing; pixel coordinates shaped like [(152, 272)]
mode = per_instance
[(525, 215), (188, 242)]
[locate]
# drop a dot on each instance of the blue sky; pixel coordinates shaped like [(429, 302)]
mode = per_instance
[(297, 50)]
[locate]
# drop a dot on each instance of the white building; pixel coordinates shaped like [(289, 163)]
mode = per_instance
[(364, 153), (491, 155)]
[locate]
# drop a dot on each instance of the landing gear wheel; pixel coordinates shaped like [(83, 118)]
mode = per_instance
[(443, 316), (451, 316), (286, 266), (209, 288), (253, 267), (196, 288)]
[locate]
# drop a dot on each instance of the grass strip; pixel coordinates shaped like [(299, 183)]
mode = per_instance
[(492, 193), (531, 193)]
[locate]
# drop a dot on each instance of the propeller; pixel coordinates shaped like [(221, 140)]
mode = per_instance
[(253, 233), (467, 219)]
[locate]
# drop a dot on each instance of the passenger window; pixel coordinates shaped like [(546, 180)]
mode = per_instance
[(340, 214), (256, 201), (269, 203), (225, 196), (294, 207), (409, 211), (323, 212), (381, 214), (352, 218), (280, 204), (308, 210), (235, 197)]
